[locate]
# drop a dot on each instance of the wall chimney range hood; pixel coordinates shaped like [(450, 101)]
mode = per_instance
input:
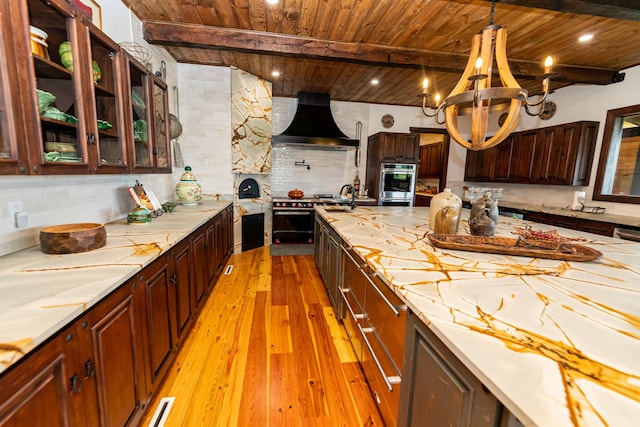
[(313, 126)]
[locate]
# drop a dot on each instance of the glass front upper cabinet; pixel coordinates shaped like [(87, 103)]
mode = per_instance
[(142, 152), (161, 125), (9, 150), (55, 51), (109, 139)]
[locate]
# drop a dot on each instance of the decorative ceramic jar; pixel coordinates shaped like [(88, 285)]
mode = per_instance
[(187, 189), (444, 216), (484, 216), (139, 216)]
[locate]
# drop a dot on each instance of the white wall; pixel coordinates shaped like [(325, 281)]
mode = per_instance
[(205, 114)]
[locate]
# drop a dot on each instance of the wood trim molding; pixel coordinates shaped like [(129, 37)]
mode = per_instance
[(259, 42)]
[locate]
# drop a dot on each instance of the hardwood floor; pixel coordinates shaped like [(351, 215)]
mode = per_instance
[(267, 350)]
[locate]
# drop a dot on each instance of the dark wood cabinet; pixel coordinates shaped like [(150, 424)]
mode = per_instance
[(431, 160), (556, 155), (182, 287), (46, 389), (392, 148), (480, 165), (397, 147), (587, 225), (422, 200), (117, 348), (155, 281), (328, 257), (87, 81), (437, 389), (200, 280), (103, 368)]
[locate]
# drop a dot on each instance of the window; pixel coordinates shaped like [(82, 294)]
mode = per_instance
[(618, 178)]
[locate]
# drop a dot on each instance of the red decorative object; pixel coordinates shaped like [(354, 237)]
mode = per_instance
[(86, 10)]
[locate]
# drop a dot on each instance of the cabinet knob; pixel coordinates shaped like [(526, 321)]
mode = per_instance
[(174, 279)]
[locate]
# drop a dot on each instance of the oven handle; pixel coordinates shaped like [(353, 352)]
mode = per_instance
[(306, 213)]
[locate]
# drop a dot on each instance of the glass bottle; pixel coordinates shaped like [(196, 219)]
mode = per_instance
[(444, 214), (356, 184)]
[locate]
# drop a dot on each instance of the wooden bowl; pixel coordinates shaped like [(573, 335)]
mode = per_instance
[(72, 238), (296, 194)]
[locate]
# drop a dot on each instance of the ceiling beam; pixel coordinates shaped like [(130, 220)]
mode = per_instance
[(628, 10), (257, 42)]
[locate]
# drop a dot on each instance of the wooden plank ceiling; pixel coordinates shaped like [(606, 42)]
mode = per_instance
[(339, 46)]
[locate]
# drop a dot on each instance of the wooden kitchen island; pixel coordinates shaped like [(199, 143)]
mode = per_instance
[(557, 343)]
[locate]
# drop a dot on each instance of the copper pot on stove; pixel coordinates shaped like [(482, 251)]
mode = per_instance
[(296, 194)]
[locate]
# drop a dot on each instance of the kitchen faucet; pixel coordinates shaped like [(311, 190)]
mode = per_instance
[(349, 187)]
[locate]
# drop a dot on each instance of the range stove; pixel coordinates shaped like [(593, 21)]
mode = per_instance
[(293, 219)]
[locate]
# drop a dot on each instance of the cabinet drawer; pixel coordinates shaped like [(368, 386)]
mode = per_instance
[(352, 316), (382, 375), (354, 280), (387, 316)]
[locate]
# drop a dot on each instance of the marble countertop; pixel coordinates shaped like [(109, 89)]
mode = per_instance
[(558, 343), (40, 293), (633, 221)]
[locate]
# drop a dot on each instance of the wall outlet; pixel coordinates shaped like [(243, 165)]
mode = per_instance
[(15, 208)]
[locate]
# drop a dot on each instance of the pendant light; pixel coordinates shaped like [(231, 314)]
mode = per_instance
[(474, 96)]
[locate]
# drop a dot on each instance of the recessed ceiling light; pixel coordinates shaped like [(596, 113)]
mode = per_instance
[(585, 37), (275, 73), (272, 1), (374, 81)]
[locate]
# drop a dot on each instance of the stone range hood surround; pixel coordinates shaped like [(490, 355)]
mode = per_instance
[(313, 126)]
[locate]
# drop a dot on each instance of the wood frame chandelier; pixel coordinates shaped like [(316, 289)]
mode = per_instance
[(474, 96)]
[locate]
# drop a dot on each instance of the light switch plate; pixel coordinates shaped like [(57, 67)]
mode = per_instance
[(15, 207)]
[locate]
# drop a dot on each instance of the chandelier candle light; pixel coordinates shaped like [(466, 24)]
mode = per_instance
[(474, 96)]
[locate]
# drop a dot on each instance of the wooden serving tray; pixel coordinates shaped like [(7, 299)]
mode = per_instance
[(516, 246)]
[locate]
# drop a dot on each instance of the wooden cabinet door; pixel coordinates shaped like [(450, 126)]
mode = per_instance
[(138, 110), (219, 255), (372, 178), (502, 168), (107, 137), (437, 389), (14, 138), (183, 289), (523, 145), (479, 165), (388, 147), (227, 227), (431, 159), (198, 266), (45, 389), (160, 127), (117, 346), (159, 343), (579, 165), (408, 148)]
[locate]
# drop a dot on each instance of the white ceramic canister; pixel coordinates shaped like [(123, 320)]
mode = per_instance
[(444, 215), (187, 189)]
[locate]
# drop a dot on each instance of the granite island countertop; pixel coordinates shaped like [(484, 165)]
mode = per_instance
[(40, 293), (558, 343)]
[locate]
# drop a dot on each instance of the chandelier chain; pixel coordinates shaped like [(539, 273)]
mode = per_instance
[(493, 8)]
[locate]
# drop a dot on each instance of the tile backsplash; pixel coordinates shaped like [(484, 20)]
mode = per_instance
[(327, 171)]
